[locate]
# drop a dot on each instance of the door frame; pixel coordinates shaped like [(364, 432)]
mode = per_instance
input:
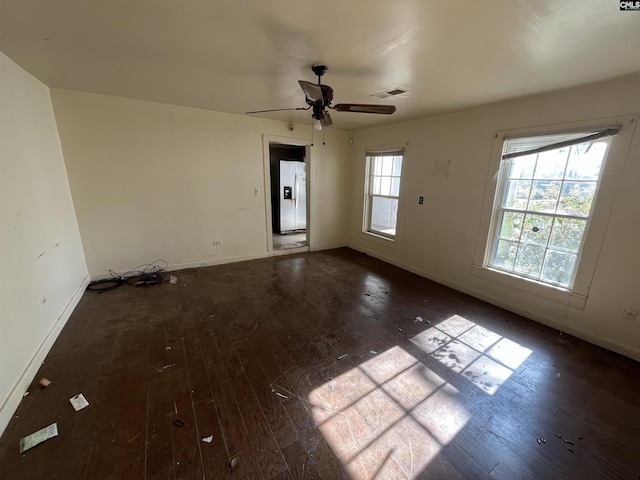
[(267, 141)]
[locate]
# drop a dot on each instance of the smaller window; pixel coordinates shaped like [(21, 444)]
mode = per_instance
[(383, 192)]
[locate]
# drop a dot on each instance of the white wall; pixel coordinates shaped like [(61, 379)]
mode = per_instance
[(154, 181), (42, 267), (438, 239)]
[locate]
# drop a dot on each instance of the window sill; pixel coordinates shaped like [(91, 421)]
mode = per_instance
[(549, 292), (380, 240)]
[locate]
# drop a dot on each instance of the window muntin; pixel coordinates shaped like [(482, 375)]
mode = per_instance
[(542, 209), (383, 192)]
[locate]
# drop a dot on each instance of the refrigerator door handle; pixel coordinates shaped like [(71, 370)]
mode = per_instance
[(296, 188)]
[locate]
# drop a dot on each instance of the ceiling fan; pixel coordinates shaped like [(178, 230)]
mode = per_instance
[(319, 98)]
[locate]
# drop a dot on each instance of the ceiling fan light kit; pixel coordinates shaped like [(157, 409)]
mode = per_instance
[(319, 98)]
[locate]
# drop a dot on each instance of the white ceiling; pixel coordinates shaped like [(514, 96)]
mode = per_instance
[(239, 55)]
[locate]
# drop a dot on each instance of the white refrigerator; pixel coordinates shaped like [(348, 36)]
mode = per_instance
[(293, 196)]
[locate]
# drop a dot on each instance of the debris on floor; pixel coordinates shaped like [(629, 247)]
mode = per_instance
[(79, 402), (44, 382), (567, 442), (173, 280), (281, 395), (166, 349), (342, 356), (418, 319), (38, 437), (540, 440), (373, 352), (234, 462), (208, 439), (25, 393), (178, 423), (164, 367)]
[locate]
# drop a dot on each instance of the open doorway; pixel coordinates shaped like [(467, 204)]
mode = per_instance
[(289, 195)]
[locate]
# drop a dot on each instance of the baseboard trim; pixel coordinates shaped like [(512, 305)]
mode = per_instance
[(10, 405), (536, 317), (197, 264), (223, 260)]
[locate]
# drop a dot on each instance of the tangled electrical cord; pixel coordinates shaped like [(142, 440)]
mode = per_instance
[(142, 275)]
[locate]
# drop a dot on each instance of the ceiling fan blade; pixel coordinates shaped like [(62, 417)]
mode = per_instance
[(278, 110), (326, 120), (364, 108), (312, 91), (327, 95)]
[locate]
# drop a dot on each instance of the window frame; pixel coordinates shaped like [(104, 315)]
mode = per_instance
[(614, 162), (370, 155)]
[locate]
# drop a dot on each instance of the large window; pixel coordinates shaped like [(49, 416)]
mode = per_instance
[(546, 190), (383, 192)]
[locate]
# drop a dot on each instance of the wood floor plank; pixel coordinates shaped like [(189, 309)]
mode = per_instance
[(232, 423), (215, 460), (300, 465), (267, 453)]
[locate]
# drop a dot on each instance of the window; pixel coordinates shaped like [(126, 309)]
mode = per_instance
[(383, 192), (546, 190)]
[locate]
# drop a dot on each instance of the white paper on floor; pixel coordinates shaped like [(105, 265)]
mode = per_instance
[(79, 402)]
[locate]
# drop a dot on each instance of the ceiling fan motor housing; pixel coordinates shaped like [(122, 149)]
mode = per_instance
[(319, 70)]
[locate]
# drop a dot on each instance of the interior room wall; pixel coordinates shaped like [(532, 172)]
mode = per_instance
[(42, 267), (438, 239), (154, 181)]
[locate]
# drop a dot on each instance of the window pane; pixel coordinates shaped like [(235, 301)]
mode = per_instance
[(384, 215), (511, 225), (585, 160), (377, 169), (529, 260), (385, 186), (505, 254), (544, 196), (536, 229), (375, 186), (395, 187), (576, 198), (567, 234), (397, 166), (387, 165), (558, 267), (522, 167), (552, 164), (516, 194)]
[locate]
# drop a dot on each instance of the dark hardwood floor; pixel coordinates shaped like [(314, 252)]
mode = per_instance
[(316, 366)]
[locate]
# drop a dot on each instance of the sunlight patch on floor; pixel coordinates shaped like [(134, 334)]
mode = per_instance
[(485, 358), (388, 417)]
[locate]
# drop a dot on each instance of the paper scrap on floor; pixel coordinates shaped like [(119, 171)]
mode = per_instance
[(38, 437), (79, 402)]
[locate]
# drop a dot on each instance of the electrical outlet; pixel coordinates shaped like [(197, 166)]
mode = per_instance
[(217, 243), (630, 314)]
